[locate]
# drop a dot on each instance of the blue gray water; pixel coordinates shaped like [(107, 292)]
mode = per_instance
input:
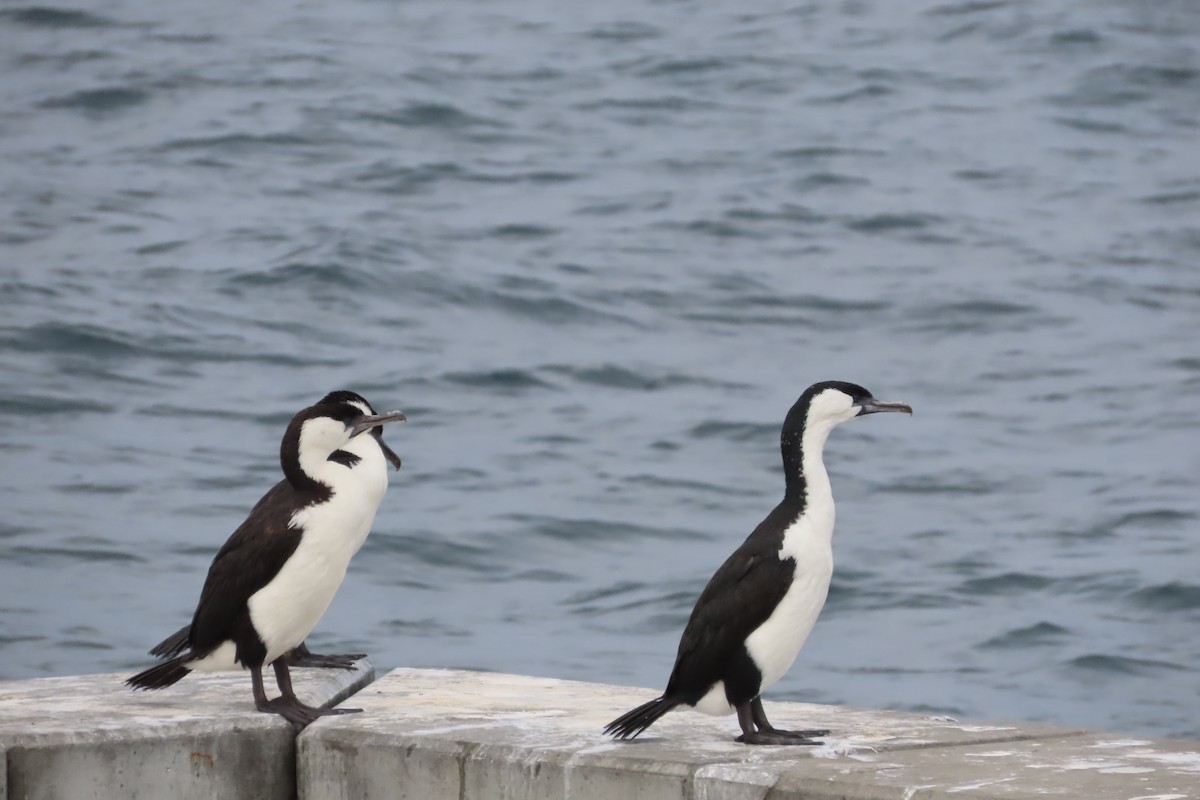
[(595, 251)]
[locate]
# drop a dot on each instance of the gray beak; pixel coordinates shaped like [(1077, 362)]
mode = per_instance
[(388, 452), (873, 406), (366, 422)]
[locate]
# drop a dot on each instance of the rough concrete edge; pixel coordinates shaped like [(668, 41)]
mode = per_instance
[(767, 775), (353, 687)]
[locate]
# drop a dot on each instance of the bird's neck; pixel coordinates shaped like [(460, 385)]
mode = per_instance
[(808, 485), (308, 469)]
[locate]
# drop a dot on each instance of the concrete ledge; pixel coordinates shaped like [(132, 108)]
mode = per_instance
[(433, 734), (92, 737)]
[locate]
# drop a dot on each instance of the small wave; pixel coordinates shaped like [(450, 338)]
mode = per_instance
[(675, 603), (870, 91), (1099, 662), (85, 644), (424, 627), (624, 31), (40, 405), (7, 640), (930, 484), (734, 431), (434, 550), (672, 103), (816, 153), (618, 377), (91, 487), (886, 223), (505, 381), (1007, 583), (97, 101), (969, 7), (73, 339), (596, 530), (542, 575), (1173, 596), (592, 595), (239, 142), (45, 17), (41, 556), (1041, 634), (303, 274), (1091, 125), (430, 115), (659, 482), (516, 230), (1161, 518), (157, 248), (818, 179), (1172, 198), (671, 67)]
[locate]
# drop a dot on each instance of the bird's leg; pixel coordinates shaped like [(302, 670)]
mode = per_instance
[(284, 679), (301, 656), (752, 735), (291, 710), (759, 715)]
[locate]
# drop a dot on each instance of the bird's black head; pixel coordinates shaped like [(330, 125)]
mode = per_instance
[(820, 408), (830, 403), (357, 400), (318, 431)]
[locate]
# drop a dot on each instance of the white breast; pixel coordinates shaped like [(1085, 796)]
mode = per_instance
[(286, 610), (775, 644), (371, 472)]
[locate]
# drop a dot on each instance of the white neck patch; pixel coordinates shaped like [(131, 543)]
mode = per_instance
[(319, 437)]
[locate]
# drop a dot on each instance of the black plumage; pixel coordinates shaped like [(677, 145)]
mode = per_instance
[(179, 641), (247, 562), (748, 588)]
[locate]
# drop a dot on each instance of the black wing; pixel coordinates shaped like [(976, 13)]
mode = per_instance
[(738, 598), (248, 561), (181, 640)]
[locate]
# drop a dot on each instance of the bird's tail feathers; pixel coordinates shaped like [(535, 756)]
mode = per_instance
[(161, 675), (634, 722), (174, 644)]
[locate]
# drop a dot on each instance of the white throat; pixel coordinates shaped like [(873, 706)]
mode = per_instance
[(319, 438)]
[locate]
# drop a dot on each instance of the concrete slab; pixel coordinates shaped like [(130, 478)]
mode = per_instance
[(1095, 766), (434, 734), (90, 737)]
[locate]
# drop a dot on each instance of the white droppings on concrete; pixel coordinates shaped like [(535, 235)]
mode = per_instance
[(1160, 797), (1187, 761), (1126, 770), (966, 787), (911, 791), (1120, 743), (1078, 764), (840, 748), (991, 754), (984, 728)]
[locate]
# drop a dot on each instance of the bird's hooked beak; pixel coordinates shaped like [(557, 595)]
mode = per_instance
[(873, 406), (368, 421)]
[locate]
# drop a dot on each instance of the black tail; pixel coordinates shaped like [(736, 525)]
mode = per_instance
[(174, 644), (634, 722), (161, 675)]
